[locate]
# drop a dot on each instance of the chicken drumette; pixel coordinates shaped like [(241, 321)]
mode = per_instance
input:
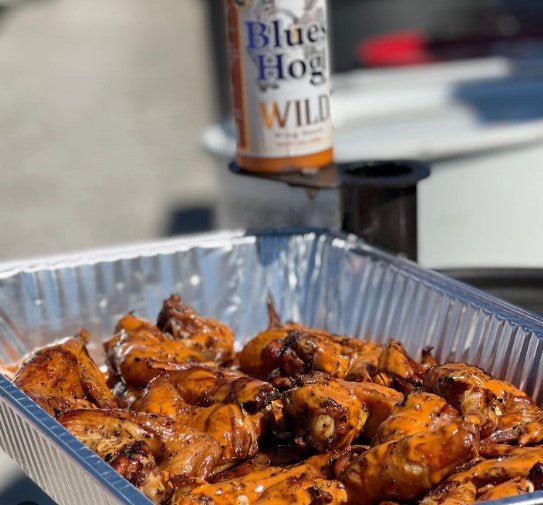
[(327, 413)]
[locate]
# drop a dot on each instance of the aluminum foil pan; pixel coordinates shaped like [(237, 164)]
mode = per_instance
[(319, 278)]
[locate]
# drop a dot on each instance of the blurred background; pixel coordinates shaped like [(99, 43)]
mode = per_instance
[(113, 123), (114, 128)]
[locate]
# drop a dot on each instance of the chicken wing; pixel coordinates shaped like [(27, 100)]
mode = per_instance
[(139, 351), (326, 413), (214, 341), (406, 373), (63, 375), (306, 351), (507, 413), (406, 469), (236, 431), (495, 471), (380, 400), (202, 385), (129, 448), (306, 483), (323, 414), (177, 449), (513, 487), (418, 412)]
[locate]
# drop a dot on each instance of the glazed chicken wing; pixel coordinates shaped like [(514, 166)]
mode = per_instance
[(62, 376), (513, 487), (202, 385), (418, 412), (214, 341), (492, 477), (507, 414), (406, 469), (327, 413), (292, 349), (406, 373), (236, 431), (307, 351), (305, 484), (323, 413), (139, 351)]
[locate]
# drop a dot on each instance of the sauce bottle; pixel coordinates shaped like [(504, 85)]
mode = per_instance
[(280, 73)]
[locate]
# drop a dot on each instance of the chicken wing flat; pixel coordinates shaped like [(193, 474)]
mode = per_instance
[(129, 448), (63, 375), (203, 385), (236, 431), (405, 372), (505, 411), (418, 412), (139, 350), (306, 484), (213, 340), (406, 469), (175, 450)]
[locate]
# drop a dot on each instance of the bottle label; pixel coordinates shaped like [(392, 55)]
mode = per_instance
[(280, 70)]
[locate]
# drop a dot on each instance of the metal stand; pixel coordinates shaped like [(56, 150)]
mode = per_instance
[(378, 198)]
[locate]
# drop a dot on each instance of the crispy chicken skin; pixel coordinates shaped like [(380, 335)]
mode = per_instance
[(406, 469), (63, 375), (203, 385), (406, 373), (507, 413), (126, 446), (236, 431), (418, 412), (148, 450), (306, 483), (213, 340), (139, 350)]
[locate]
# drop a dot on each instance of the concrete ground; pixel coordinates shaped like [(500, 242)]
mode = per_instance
[(102, 105)]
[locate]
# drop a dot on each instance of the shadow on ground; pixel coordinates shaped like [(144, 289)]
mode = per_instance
[(22, 491)]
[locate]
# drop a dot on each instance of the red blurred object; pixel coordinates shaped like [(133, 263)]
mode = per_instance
[(397, 49)]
